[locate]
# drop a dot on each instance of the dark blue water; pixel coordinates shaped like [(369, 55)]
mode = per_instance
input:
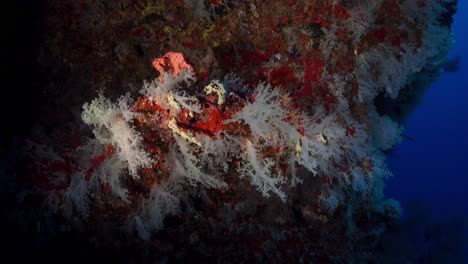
[(433, 168)]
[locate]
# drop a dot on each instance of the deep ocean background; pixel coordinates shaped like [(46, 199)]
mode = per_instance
[(431, 169)]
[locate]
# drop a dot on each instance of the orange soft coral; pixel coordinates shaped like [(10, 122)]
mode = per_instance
[(171, 62)]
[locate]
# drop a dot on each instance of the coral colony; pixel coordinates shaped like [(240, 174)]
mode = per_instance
[(255, 136)]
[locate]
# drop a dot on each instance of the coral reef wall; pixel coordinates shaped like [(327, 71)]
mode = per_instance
[(227, 131)]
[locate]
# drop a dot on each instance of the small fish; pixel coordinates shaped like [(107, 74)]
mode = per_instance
[(427, 236), (453, 65), (407, 137)]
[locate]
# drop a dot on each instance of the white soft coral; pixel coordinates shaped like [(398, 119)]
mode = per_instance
[(261, 173), (265, 116), (110, 127)]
